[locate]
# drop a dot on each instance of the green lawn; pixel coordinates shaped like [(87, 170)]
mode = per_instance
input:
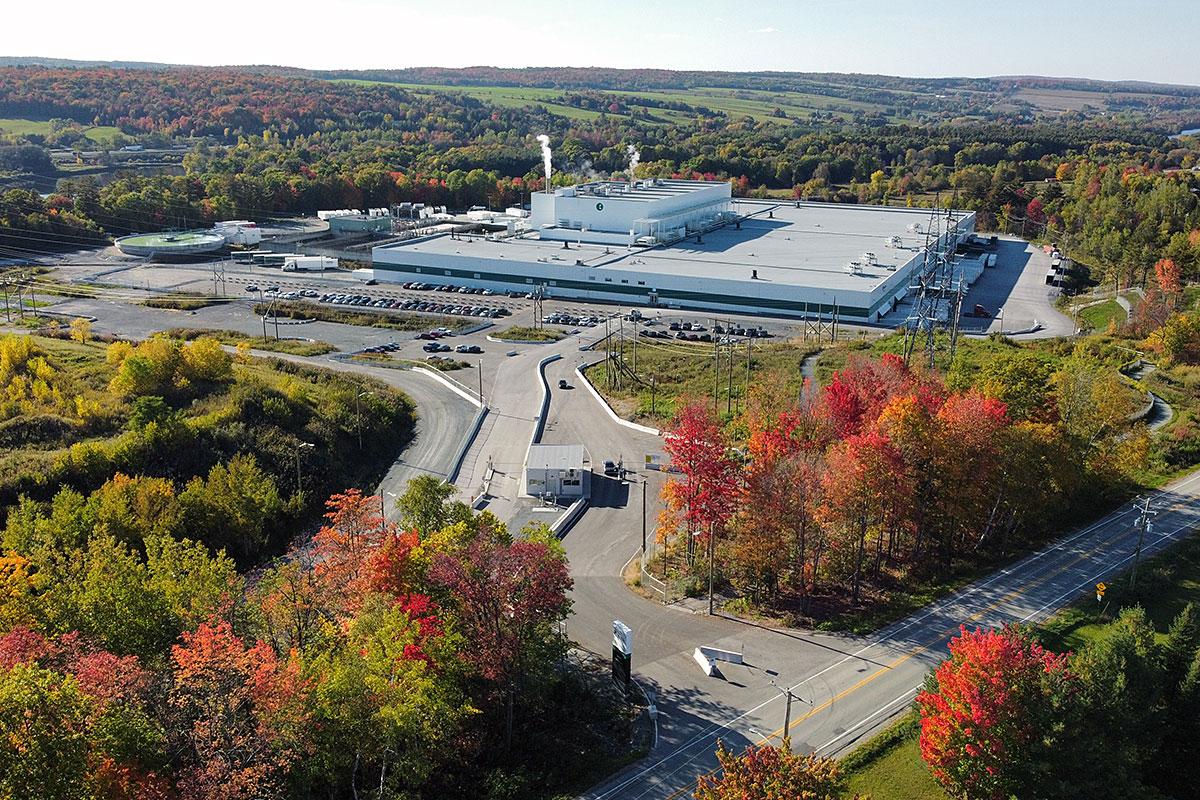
[(23, 127), (1098, 317), (889, 767)]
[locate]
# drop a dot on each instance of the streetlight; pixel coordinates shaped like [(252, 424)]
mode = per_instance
[(1144, 526), (787, 714), (260, 302), (299, 477)]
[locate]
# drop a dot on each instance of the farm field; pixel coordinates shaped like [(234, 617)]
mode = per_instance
[(760, 105), (26, 127)]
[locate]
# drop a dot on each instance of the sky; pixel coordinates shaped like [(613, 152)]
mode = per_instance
[(1149, 40)]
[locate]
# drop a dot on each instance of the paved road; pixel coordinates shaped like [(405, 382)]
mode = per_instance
[(443, 416), (851, 686)]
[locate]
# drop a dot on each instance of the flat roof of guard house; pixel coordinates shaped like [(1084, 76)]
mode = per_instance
[(761, 256)]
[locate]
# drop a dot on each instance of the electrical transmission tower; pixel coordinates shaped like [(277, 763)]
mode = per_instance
[(938, 288)]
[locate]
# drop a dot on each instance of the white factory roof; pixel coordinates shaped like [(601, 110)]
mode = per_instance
[(803, 245), (643, 191), (555, 457)]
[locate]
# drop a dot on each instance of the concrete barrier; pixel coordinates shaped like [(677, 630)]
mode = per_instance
[(539, 422), (614, 416), (707, 658), (564, 523), (465, 446)]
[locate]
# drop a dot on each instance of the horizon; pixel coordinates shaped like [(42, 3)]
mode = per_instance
[(132, 64), (1104, 41)]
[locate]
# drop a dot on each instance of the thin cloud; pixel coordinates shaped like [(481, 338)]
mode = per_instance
[(766, 30)]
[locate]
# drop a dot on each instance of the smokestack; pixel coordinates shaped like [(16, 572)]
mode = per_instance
[(544, 141), (634, 158)]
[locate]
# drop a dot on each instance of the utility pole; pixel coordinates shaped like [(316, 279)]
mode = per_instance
[(749, 345), (299, 476), (716, 375), (358, 396), (711, 536), (729, 384), (7, 314), (787, 713), (643, 517), (653, 394), (1144, 527), (480, 371)]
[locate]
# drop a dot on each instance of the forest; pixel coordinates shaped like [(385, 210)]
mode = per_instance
[(194, 605), (263, 144)]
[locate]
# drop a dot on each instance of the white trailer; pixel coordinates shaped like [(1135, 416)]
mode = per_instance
[(309, 264)]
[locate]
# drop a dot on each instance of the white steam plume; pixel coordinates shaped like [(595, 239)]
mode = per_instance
[(544, 141), (634, 158)]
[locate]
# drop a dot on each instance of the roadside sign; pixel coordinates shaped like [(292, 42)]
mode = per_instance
[(1101, 588), (622, 654)]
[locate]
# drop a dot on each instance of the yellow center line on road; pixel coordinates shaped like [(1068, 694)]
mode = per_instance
[(916, 651)]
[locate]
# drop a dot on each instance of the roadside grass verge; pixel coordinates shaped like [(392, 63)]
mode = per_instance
[(292, 347), (889, 765)]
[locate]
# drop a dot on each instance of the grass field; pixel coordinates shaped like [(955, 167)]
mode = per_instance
[(1098, 317), (23, 127), (668, 370), (757, 104)]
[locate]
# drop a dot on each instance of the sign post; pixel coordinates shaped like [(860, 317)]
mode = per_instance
[(622, 654), (1101, 588)]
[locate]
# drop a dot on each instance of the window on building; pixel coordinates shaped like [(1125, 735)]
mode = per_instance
[(446, 272), (476, 274), (554, 283), (529, 280), (624, 280), (641, 283)]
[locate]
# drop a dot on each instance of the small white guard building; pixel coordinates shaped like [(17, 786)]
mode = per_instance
[(555, 469)]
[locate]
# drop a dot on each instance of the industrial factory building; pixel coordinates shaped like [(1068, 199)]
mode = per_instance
[(684, 244)]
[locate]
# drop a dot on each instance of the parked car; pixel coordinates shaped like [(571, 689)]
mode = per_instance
[(610, 469)]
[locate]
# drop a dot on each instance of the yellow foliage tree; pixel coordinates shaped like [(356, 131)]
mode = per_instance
[(205, 360), (81, 329)]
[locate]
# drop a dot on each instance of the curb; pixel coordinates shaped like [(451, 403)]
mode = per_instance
[(498, 340)]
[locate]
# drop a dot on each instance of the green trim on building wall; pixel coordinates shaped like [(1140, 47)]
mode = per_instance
[(643, 292)]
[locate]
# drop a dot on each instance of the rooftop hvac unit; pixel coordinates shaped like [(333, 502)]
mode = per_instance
[(869, 259), (914, 227), (853, 268)]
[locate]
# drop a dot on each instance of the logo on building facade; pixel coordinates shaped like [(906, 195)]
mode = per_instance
[(599, 206)]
